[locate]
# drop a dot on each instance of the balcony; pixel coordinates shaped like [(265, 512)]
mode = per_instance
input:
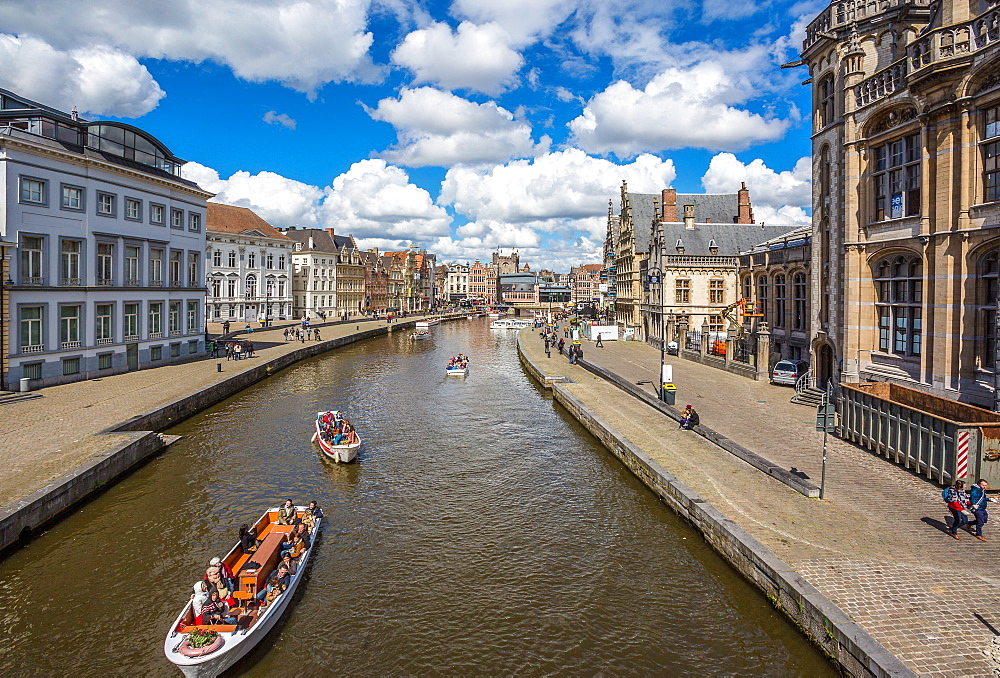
[(37, 348), (104, 341), (105, 282), (33, 281), (156, 335), (69, 344), (156, 283), (132, 282), (175, 333), (843, 13), (70, 282), (132, 337)]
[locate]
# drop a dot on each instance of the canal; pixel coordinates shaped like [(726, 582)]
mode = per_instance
[(482, 532)]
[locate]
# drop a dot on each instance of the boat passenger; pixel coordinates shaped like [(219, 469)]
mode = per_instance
[(227, 572), (198, 599), (274, 593), (286, 514), (299, 547), (216, 611), (248, 538), (213, 575), (289, 564), (302, 531), (278, 577), (311, 514)]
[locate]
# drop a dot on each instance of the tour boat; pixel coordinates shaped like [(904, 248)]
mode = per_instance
[(458, 371), (342, 454), (495, 314), (250, 571), (510, 324), (430, 322), (421, 335)]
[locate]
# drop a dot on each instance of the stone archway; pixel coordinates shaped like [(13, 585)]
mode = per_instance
[(823, 368)]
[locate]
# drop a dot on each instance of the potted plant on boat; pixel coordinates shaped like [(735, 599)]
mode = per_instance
[(200, 642)]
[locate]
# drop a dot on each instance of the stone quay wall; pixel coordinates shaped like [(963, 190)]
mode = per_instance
[(850, 646)]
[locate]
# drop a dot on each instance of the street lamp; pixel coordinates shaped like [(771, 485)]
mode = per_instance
[(654, 276)]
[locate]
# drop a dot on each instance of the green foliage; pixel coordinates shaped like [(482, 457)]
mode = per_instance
[(202, 637)]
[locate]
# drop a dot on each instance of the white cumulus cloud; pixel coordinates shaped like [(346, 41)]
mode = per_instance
[(473, 57), (777, 197), (283, 119), (278, 200), (101, 81), (442, 129), (695, 107)]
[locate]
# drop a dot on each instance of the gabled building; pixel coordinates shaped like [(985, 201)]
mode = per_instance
[(479, 287), (376, 281), (457, 283), (249, 269), (314, 276), (585, 282), (106, 243)]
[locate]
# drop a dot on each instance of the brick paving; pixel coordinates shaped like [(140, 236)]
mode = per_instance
[(875, 546), (44, 438)]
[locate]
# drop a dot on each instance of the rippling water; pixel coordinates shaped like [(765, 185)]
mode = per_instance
[(481, 532)]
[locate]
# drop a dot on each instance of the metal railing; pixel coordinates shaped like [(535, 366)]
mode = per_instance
[(806, 381), (70, 282), (105, 282)]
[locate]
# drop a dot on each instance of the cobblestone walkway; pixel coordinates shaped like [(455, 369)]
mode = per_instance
[(875, 546)]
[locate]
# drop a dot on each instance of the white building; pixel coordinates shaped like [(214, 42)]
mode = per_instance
[(107, 270), (457, 282), (314, 275), (250, 267)]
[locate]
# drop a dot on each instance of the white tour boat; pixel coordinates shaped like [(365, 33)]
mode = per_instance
[(421, 335), (430, 322), (510, 324), (250, 571), (458, 371), (343, 453)]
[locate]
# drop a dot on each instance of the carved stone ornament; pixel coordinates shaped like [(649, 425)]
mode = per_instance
[(894, 118), (991, 80)]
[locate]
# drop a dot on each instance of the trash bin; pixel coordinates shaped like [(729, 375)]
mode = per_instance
[(25, 385), (668, 394)]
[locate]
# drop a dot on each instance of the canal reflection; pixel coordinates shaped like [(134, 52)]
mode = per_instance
[(482, 532)]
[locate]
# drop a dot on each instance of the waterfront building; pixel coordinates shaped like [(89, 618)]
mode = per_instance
[(350, 276), (418, 287), (314, 272), (376, 281), (585, 282), (906, 195), (775, 277), (518, 289), (457, 283), (395, 285), (249, 267), (609, 273), (478, 285), (106, 270)]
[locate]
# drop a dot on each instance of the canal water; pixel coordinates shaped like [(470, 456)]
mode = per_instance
[(482, 532)]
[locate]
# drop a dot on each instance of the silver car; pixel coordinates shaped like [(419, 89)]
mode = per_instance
[(788, 371)]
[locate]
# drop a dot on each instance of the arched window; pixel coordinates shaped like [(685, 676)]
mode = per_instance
[(986, 301), (899, 287), (895, 172), (762, 295), (799, 300), (780, 293), (747, 287), (827, 102), (251, 291)]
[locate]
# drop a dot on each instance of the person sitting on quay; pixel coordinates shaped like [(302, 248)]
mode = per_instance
[(286, 514), (248, 329)]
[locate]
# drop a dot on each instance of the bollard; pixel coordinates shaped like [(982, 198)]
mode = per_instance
[(218, 367)]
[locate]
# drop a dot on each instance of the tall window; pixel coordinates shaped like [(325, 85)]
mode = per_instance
[(682, 291), (156, 267), (232, 260), (986, 301), (131, 265), (799, 300), (762, 306), (175, 268), (281, 261), (216, 257), (231, 288), (131, 322), (70, 262), (103, 325), (827, 101), (824, 172), (252, 260), (896, 178), (32, 191), (991, 153), (193, 277), (716, 291), (780, 292), (174, 318), (156, 320), (251, 290), (31, 260), (192, 317), (105, 263), (269, 261), (899, 286), (747, 287), (31, 329), (72, 198), (69, 327), (216, 287)]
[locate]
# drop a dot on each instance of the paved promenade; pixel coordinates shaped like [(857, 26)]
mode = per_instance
[(875, 546), (44, 438)]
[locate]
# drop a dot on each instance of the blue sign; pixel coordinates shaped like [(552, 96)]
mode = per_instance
[(897, 206)]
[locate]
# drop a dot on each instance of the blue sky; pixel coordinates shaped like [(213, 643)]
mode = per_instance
[(458, 126)]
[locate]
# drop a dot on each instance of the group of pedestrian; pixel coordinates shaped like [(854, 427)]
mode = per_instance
[(302, 334), (575, 352), (689, 419), (964, 504), (235, 349)]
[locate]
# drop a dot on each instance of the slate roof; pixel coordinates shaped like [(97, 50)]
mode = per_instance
[(731, 239), (642, 218), (710, 207), (231, 219), (324, 240), (794, 238)]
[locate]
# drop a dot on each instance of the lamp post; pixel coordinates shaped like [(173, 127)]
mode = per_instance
[(654, 276)]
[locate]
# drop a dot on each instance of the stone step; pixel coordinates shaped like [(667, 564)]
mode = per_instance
[(810, 397), (7, 397)]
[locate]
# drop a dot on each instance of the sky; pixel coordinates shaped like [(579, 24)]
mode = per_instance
[(460, 127)]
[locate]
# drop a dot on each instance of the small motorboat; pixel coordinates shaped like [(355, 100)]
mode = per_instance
[(510, 324), (208, 650), (342, 453), (430, 322), (420, 335), (458, 370)]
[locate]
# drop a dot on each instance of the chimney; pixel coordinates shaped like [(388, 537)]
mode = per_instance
[(689, 217), (669, 196), (312, 243), (746, 210)]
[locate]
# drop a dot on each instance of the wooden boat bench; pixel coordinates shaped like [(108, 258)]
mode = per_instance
[(252, 581)]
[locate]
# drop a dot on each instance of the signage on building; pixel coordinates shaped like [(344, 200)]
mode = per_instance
[(897, 206), (602, 288)]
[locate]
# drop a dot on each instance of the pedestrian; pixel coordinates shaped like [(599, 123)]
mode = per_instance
[(599, 343), (302, 336), (316, 334), (211, 349), (958, 503), (228, 347), (250, 349), (562, 343), (979, 500), (685, 415), (572, 355), (285, 334), (248, 329), (225, 327), (237, 351)]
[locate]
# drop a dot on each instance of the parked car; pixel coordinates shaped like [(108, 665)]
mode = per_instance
[(788, 371)]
